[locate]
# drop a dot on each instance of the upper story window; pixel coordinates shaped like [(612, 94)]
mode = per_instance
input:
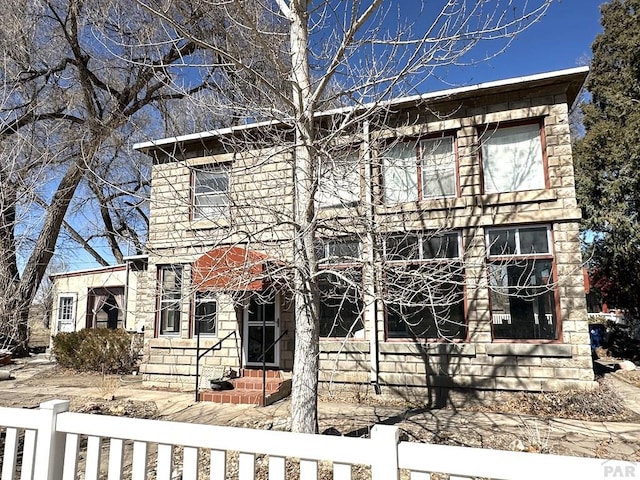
[(513, 159), (211, 191), (418, 170), (205, 315), (521, 282), (170, 299), (339, 179)]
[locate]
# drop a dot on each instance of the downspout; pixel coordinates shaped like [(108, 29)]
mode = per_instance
[(125, 301), (371, 310)]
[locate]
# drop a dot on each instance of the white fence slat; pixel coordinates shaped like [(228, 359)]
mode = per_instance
[(218, 465), (308, 469), (421, 476), (50, 442), (21, 418), (341, 471), (140, 460), (212, 437), (190, 459), (277, 468), (10, 453), (246, 466), (116, 455), (94, 453), (384, 464), (480, 462), (164, 465), (70, 467), (28, 455)]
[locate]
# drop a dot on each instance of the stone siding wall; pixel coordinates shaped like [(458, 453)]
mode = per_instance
[(261, 210)]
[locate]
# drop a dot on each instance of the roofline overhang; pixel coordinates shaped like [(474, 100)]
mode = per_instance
[(87, 271), (575, 77)]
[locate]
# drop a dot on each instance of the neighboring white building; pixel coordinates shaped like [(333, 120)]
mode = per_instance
[(102, 297)]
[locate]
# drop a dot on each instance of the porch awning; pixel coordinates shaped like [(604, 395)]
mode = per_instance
[(230, 269)]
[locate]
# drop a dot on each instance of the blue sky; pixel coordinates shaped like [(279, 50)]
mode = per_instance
[(562, 39)]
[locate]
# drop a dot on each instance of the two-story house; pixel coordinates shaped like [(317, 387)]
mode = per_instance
[(448, 245)]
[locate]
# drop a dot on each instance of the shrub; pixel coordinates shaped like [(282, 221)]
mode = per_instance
[(98, 350)]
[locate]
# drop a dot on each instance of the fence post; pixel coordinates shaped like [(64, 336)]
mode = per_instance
[(385, 439), (50, 443)]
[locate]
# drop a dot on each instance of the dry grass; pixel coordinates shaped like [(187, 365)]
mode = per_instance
[(600, 404)]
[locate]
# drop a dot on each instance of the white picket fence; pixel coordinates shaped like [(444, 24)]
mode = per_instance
[(52, 443)]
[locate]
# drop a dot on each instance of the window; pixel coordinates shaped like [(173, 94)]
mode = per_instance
[(512, 159), (522, 289), (341, 304), (421, 246), (66, 313), (426, 304), (340, 250), (424, 278), (420, 170), (340, 288), (170, 282), (205, 313), (211, 192), (339, 181)]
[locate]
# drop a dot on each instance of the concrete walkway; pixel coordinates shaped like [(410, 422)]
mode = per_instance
[(575, 437)]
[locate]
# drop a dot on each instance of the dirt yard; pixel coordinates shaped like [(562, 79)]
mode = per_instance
[(595, 424)]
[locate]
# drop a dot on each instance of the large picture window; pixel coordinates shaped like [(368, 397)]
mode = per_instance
[(170, 285), (211, 192), (205, 317), (424, 277), (339, 180), (340, 285), (512, 159), (417, 170), (522, 288), (341, 304)]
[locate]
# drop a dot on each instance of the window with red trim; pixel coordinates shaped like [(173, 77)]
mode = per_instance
[(512, 158), (522, 288), (420, 169)]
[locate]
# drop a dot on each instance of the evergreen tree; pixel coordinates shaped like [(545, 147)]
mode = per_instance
[(608, 157)]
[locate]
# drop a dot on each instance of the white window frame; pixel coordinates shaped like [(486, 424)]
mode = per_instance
[(165, 301), (71, 320), (517, 164), (210, 203), (326, 251)]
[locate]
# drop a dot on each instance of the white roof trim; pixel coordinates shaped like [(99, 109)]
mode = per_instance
[(388, 103), (120, 266)]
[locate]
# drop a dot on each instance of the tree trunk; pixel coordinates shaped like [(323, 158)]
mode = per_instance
[(304, 394)]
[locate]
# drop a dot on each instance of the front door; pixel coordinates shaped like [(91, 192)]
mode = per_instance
[(260, 332)]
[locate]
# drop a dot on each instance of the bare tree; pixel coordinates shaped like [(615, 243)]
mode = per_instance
[(332, 54), (79, 79)]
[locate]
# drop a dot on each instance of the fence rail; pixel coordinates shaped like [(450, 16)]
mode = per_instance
[(53, 444)]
